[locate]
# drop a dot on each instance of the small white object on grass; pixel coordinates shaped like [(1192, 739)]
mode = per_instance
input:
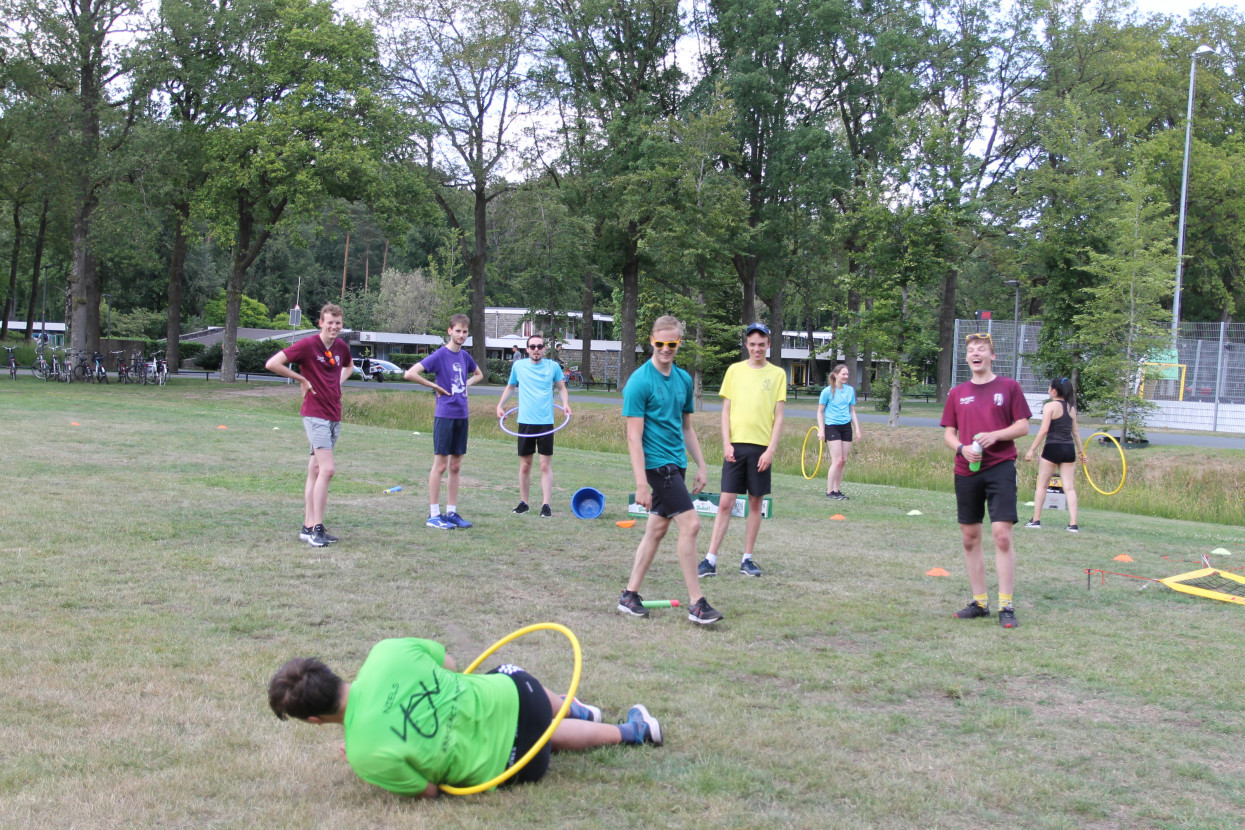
[(915, 513), (1221, 552), (1028, 504)]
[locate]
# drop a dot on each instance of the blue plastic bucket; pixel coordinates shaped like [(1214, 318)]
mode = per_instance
[(587, 503)]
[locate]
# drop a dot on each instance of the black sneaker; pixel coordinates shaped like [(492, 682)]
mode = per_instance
[(545, 511), (973, 610), (317, 539), (749, 568), (844, 497), (1034, 524), (1007, 617), (1072, 529), (702, 613), (830, 495), (629, 603), (306, 533), (329, 538), (705, 569), (522, 508)]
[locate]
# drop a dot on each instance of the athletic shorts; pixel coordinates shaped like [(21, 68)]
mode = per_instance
[(742, 475), (1059, 453), (839, 432), (535, 715), (321, 433), (449, 436), (669, 486), (542, 445), (994, 485)]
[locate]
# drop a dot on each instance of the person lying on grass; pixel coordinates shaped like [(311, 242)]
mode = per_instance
[(411, 722)]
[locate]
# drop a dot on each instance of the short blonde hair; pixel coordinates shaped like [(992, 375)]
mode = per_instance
[(332, 309), (666, 323)]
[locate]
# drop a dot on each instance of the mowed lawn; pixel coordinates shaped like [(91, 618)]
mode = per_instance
[(151, 580)]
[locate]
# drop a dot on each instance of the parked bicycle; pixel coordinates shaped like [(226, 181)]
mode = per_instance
[(138, 368), (12, 362), (56, 369), (159, 368), (123, 368), (573, 378), (40, 369), (101, 374)]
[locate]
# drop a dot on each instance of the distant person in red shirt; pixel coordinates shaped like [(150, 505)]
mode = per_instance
[(324, 362), (993, 412)]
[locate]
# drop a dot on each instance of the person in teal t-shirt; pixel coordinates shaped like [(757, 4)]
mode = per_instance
[(658, 404), (536, 378), (412, 723)]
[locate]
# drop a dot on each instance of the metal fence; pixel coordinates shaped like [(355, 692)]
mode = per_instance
[(1201, 386)]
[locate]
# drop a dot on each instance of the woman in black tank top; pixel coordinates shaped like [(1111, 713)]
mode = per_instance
[(1060, 431)]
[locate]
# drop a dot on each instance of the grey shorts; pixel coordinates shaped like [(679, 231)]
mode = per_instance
[(321, 433)]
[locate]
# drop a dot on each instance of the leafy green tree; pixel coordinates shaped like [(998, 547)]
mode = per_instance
[(252, 314)]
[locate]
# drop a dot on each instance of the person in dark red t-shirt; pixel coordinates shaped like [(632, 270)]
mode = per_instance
[(324, 362), (993, 412)]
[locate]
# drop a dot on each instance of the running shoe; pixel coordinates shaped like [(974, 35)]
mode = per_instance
[(749, 568), (440, 523), (629, 603), (317, 539), (329, 538), (647, 727), (705, 569), (521, 509), (1072, 529), (1007, 617), (457, 520), (973, 610), (702, 613), (545, 511), (1034, 524)]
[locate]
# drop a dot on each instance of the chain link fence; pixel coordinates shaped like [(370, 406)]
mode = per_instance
[(1199, 386)]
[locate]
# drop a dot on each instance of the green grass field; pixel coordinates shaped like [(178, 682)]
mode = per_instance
[(152, 581)]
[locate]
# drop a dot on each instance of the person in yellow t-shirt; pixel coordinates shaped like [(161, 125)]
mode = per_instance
[(754, 394)]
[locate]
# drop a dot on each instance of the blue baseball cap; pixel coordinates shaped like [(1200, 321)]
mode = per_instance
[(758, 326)]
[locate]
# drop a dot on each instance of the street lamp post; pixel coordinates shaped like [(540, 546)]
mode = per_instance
[(1015, 330), (1184, 190)]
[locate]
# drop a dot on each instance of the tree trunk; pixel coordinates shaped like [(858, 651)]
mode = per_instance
[(37, 271), (586, 328), (630, 304), (479, 258), (177, 269), (866, 356), (698, 373), (83, 319), (946, 335), (10, 302), (746, 269), (897, 368), (775, 304)]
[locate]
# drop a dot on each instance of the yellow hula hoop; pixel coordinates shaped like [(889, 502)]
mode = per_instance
[(557, 718), (804, 451), (1123, 464)]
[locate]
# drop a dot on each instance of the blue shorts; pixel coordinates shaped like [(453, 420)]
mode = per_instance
[(449, 436)]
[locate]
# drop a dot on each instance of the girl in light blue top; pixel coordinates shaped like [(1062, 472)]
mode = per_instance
[(836, 417)]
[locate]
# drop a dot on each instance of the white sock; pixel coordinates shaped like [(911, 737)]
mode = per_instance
[(451, 508), (712, 558), (747, 556), (434, 510)]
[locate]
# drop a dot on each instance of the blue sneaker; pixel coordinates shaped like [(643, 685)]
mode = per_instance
[(749, 568), (583, 711), (440, 523), (457, 520), (648, 730)]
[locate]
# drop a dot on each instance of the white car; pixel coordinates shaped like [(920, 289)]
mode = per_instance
[(378, 369)]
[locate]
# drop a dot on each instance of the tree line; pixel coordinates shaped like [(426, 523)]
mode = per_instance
[(873, 168)]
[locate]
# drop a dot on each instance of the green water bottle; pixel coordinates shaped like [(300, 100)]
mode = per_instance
[(974, 466)]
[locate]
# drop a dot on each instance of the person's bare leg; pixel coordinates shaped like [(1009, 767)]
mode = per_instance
[(1045, 471), (654, 532), (1004, 557), (546, 478), (578, 735), (322, 462), (837, 464), (721, 521), (753, 526), (525, 478), (688, 523), (1067, 474), (974, 561), (439, 463), (456, 463)]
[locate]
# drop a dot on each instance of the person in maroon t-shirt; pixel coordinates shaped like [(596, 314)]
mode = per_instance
[(993, 412), (324, 362)]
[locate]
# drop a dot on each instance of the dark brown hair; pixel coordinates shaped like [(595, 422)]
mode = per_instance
[(304, 688)]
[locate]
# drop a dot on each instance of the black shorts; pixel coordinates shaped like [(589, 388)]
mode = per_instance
[(542, 445), (994, 485), (742, 475), (449, 436), (535, 715), (670, 496), (1059, 453), (839, 432)]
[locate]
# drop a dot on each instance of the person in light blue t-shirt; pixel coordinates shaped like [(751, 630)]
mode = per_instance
[(535, 378), (836, 417)]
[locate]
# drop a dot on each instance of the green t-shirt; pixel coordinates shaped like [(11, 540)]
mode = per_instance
[(661, 401), (410, 722)]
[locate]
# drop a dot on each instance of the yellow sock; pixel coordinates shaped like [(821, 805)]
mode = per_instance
[(982, 599), (1005, 600)]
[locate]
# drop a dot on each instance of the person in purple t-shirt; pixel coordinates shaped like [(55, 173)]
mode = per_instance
[(991, 411), (455, 371), (324, 362)]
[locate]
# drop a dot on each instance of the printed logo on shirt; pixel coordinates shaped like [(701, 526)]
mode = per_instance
[(967, 400), (998, 398)]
